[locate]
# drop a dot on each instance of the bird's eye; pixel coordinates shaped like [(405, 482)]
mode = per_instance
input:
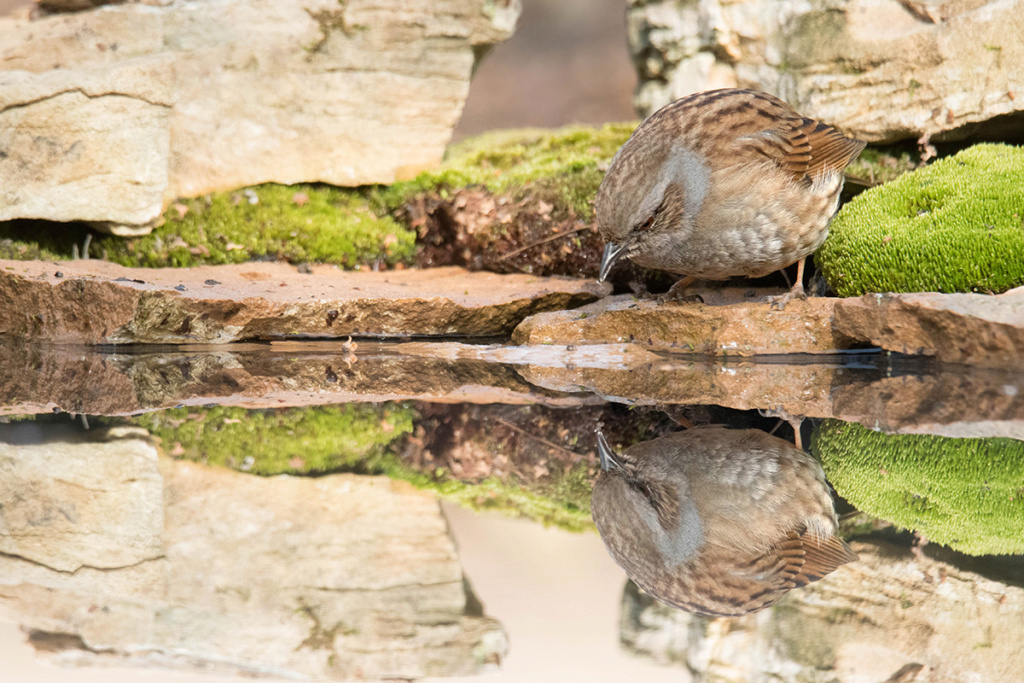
[(646, 225)]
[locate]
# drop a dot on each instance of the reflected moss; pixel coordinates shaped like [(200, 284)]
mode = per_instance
[(954, 226), (964, 493), (361, 438), (286, 441)]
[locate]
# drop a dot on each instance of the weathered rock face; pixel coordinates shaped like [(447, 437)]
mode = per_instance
[(97, 302), (338, 577), (974, 329), (889, 613), (882, 70), (109, 113)]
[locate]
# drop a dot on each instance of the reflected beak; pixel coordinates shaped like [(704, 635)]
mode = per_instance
[(605, 453), (611, 255)]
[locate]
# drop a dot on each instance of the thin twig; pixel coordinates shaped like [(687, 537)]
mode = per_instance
[(536, 438), (550, 238)]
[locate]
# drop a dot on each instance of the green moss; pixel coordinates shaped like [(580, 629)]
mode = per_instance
[(300, 223), (882, 164), (964, 493), (361, 438), (564, 166), (955, 226)]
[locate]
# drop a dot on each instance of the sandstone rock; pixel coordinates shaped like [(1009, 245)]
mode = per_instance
[(889, 613), (174, 99), (92, 149), (742, 329), (97, 302), (975, 329), (882, 70), (336, 577)]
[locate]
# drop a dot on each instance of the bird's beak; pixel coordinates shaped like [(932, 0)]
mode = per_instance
[(611, 255), (605, 453)]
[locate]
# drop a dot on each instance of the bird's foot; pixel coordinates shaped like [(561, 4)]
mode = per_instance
[(780, 301), (675, 293)]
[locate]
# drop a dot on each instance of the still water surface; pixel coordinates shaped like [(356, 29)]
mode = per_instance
[(272, 510)]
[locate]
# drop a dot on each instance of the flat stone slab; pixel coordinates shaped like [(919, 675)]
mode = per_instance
[(975, 329), (97, 302), (742, 329)]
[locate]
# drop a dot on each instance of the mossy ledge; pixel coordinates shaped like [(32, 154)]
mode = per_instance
[(954, 226), (550, 174), (964, 493)]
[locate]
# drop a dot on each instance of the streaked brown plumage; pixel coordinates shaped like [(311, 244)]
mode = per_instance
[(717, 521), (723, 183)]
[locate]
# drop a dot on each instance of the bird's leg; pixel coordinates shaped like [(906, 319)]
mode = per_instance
[(676, 414), (795, 292), (795, 421), (675, 292)]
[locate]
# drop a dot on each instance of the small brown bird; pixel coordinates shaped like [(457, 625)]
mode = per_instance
[(720, 184), (717, 521)]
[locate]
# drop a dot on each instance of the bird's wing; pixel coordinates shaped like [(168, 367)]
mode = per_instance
[(803, 147), (803, 558)]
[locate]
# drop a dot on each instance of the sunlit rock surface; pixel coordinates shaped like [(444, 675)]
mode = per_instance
[(974, 329), (98, 302), (160, 100), (336, 577), (881, 70), (889, 613)]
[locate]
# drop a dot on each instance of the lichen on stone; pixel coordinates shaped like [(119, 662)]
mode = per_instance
[(954, 226), (964, 493)]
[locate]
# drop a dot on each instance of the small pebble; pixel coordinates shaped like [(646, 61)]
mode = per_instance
[(210, 282), (180, 288)]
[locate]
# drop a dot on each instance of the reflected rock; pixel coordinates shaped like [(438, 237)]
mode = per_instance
[(964, 493), (37, 378), (716, 521), (950, 400), (896, 617), (340, 577), (746, 327)]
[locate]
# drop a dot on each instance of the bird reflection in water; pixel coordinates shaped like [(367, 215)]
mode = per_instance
[(717, 521)]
